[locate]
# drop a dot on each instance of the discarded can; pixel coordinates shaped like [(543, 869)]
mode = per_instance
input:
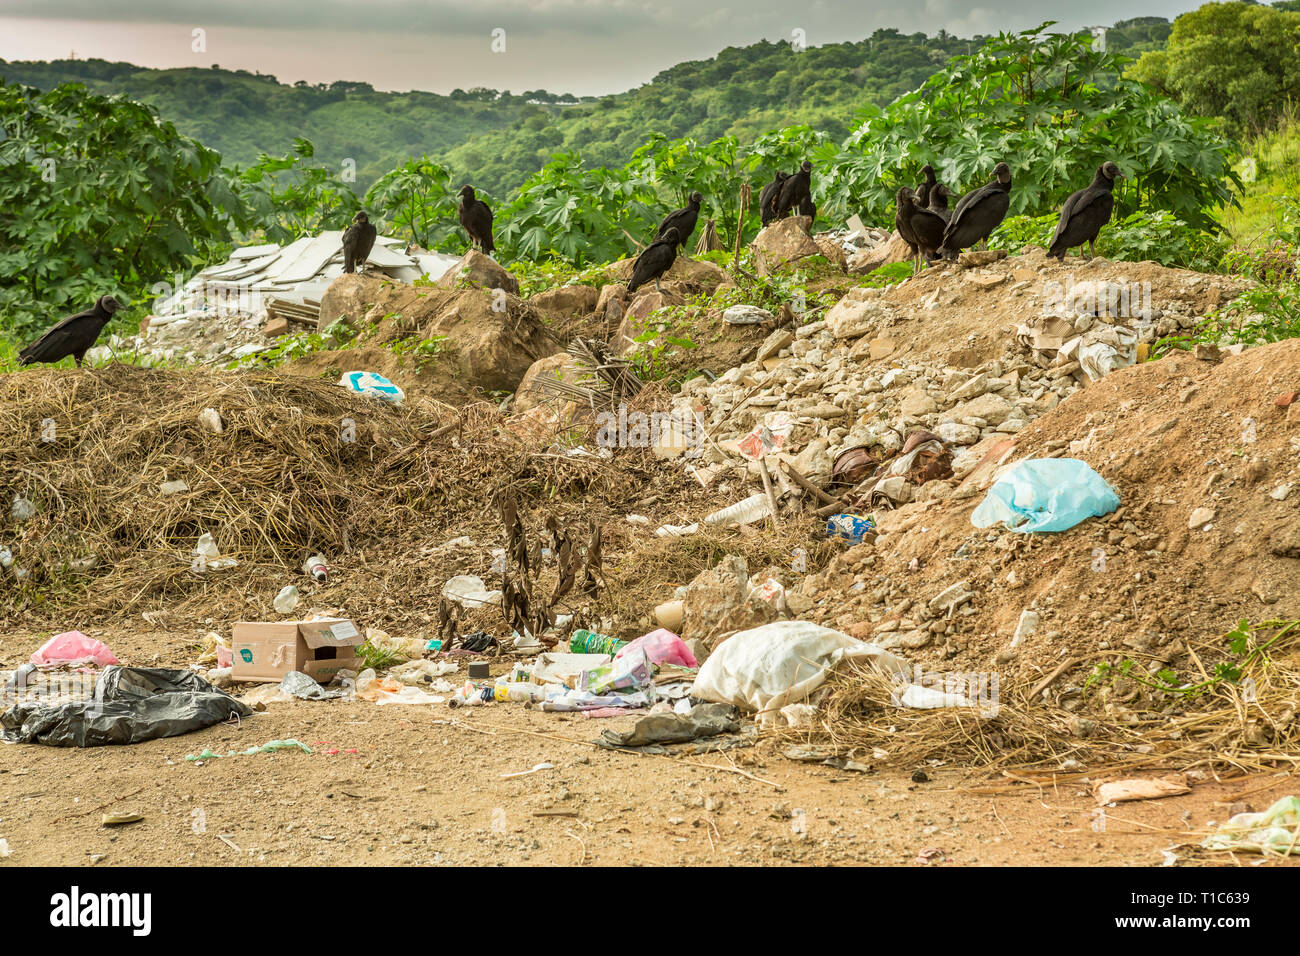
[(850, 527), (317, 568), (589, 642), (478, 670)]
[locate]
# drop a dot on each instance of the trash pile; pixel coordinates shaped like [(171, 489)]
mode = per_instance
[(235, 309)]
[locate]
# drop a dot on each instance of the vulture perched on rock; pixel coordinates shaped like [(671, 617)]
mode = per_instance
[(929, 222), (978, 214), (73, 336), (476, 218), (906, 205), (358, 240), (655, 259), (796, 192), (768, 197), (1085, 212), (924, 187), (683, 220)]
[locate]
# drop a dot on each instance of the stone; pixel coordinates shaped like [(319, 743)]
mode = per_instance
[(917, 403), (974, 388), (894, 249), (1027, 625), (613, 293), (1200, 517), (950, 598), (986, 280), (976, 258), (832, 250), (994, 409), (748, 315), (558, 366), (716, 603), (566, 300), (955, 433), (481, 271), (773, 344), (782, 243), (276, 327), (851, 319)]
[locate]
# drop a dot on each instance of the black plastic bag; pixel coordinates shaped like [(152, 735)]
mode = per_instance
[(130, 705)]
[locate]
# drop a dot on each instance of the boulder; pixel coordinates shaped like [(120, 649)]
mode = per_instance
[(633, 324), (479, 270), (851, 317), (893, 249), (491, 337), (718, 603), (558, 366), (566, 300), (833, 251), (782, 243), (991, 407)]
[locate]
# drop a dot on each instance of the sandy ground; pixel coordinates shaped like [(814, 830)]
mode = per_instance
[(428, 785)]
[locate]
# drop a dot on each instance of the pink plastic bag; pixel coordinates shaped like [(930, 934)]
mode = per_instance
[(662, 647), (73, 649)]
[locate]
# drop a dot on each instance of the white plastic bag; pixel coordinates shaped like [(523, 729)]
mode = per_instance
[(766, 668)]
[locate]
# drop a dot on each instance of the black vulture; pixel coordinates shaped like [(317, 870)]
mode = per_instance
[(903, 218), (476, 217), (978, 214), (928, 223), (924, 187), (768, 197), (808, 208), (73, 336), (358, 240), (683, 220), (795, 191), (655, 259), (1085, 212)]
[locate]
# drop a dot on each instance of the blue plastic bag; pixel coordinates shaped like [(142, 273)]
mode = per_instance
[(1046, 494)]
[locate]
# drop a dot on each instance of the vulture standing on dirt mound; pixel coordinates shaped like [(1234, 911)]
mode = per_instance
[(1085, 212), (768, 197), (795, 191), (358, 240), (683, 220), (903, 210), (928, 223), (655, 259), (927, 184), (978, 214), (73, 336), (476, 217)]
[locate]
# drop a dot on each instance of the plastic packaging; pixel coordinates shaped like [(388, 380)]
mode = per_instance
[(589, 642), (754, 508), (286, 600), (850, 527), (74, 649), (661, 647), (631, 672), (1046, 494), (519, 691)]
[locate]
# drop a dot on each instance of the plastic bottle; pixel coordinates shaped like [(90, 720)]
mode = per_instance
[(589, 642), (753, 508), (519, 691)]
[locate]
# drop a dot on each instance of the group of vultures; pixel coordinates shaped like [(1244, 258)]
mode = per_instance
[(922, 217)]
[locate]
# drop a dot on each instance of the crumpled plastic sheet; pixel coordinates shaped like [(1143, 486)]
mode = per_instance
[(704, 720), (1046, 494), (130, 705)]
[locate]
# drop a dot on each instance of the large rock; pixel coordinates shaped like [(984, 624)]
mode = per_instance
[(566, 300), (491, 337), (994, 409), (479, 270), (555, 366), (833, 250), (686, 275), (784, 242), (718, 603), (856, 315), (893, 249), (633, 324)]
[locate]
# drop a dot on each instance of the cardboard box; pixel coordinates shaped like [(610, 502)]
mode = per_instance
[(266, 651)]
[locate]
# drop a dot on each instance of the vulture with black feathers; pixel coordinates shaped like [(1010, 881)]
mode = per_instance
[(655, 259), (358, 240), (768, 197), (1085, 212), (796, 191), (923, 188), (978, 214), (929, 222), (683, 220), (73, 336), (476, 218), (906, 205)]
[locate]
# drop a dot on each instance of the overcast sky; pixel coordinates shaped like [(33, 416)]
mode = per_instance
[(577, 46)]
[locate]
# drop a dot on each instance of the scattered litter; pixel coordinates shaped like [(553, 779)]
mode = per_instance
[(315, 567), (853, 528), (374, 385), (1276, 830), (73, 649), (1046, 494), (706, 720), (677, 530), (320, 648), (524, 773), (1119, 791), (210, 419), (286, 600), (266, 748), (661, 647), (208, 558), (303, 687), (5, 852), (754, 508), (173, 487), (120, 819), (22, 509), (470, 592), (130, 705)]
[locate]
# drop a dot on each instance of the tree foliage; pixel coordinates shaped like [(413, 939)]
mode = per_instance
[(291, 197), (1234, 60), (98, 195), (417, 200)]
